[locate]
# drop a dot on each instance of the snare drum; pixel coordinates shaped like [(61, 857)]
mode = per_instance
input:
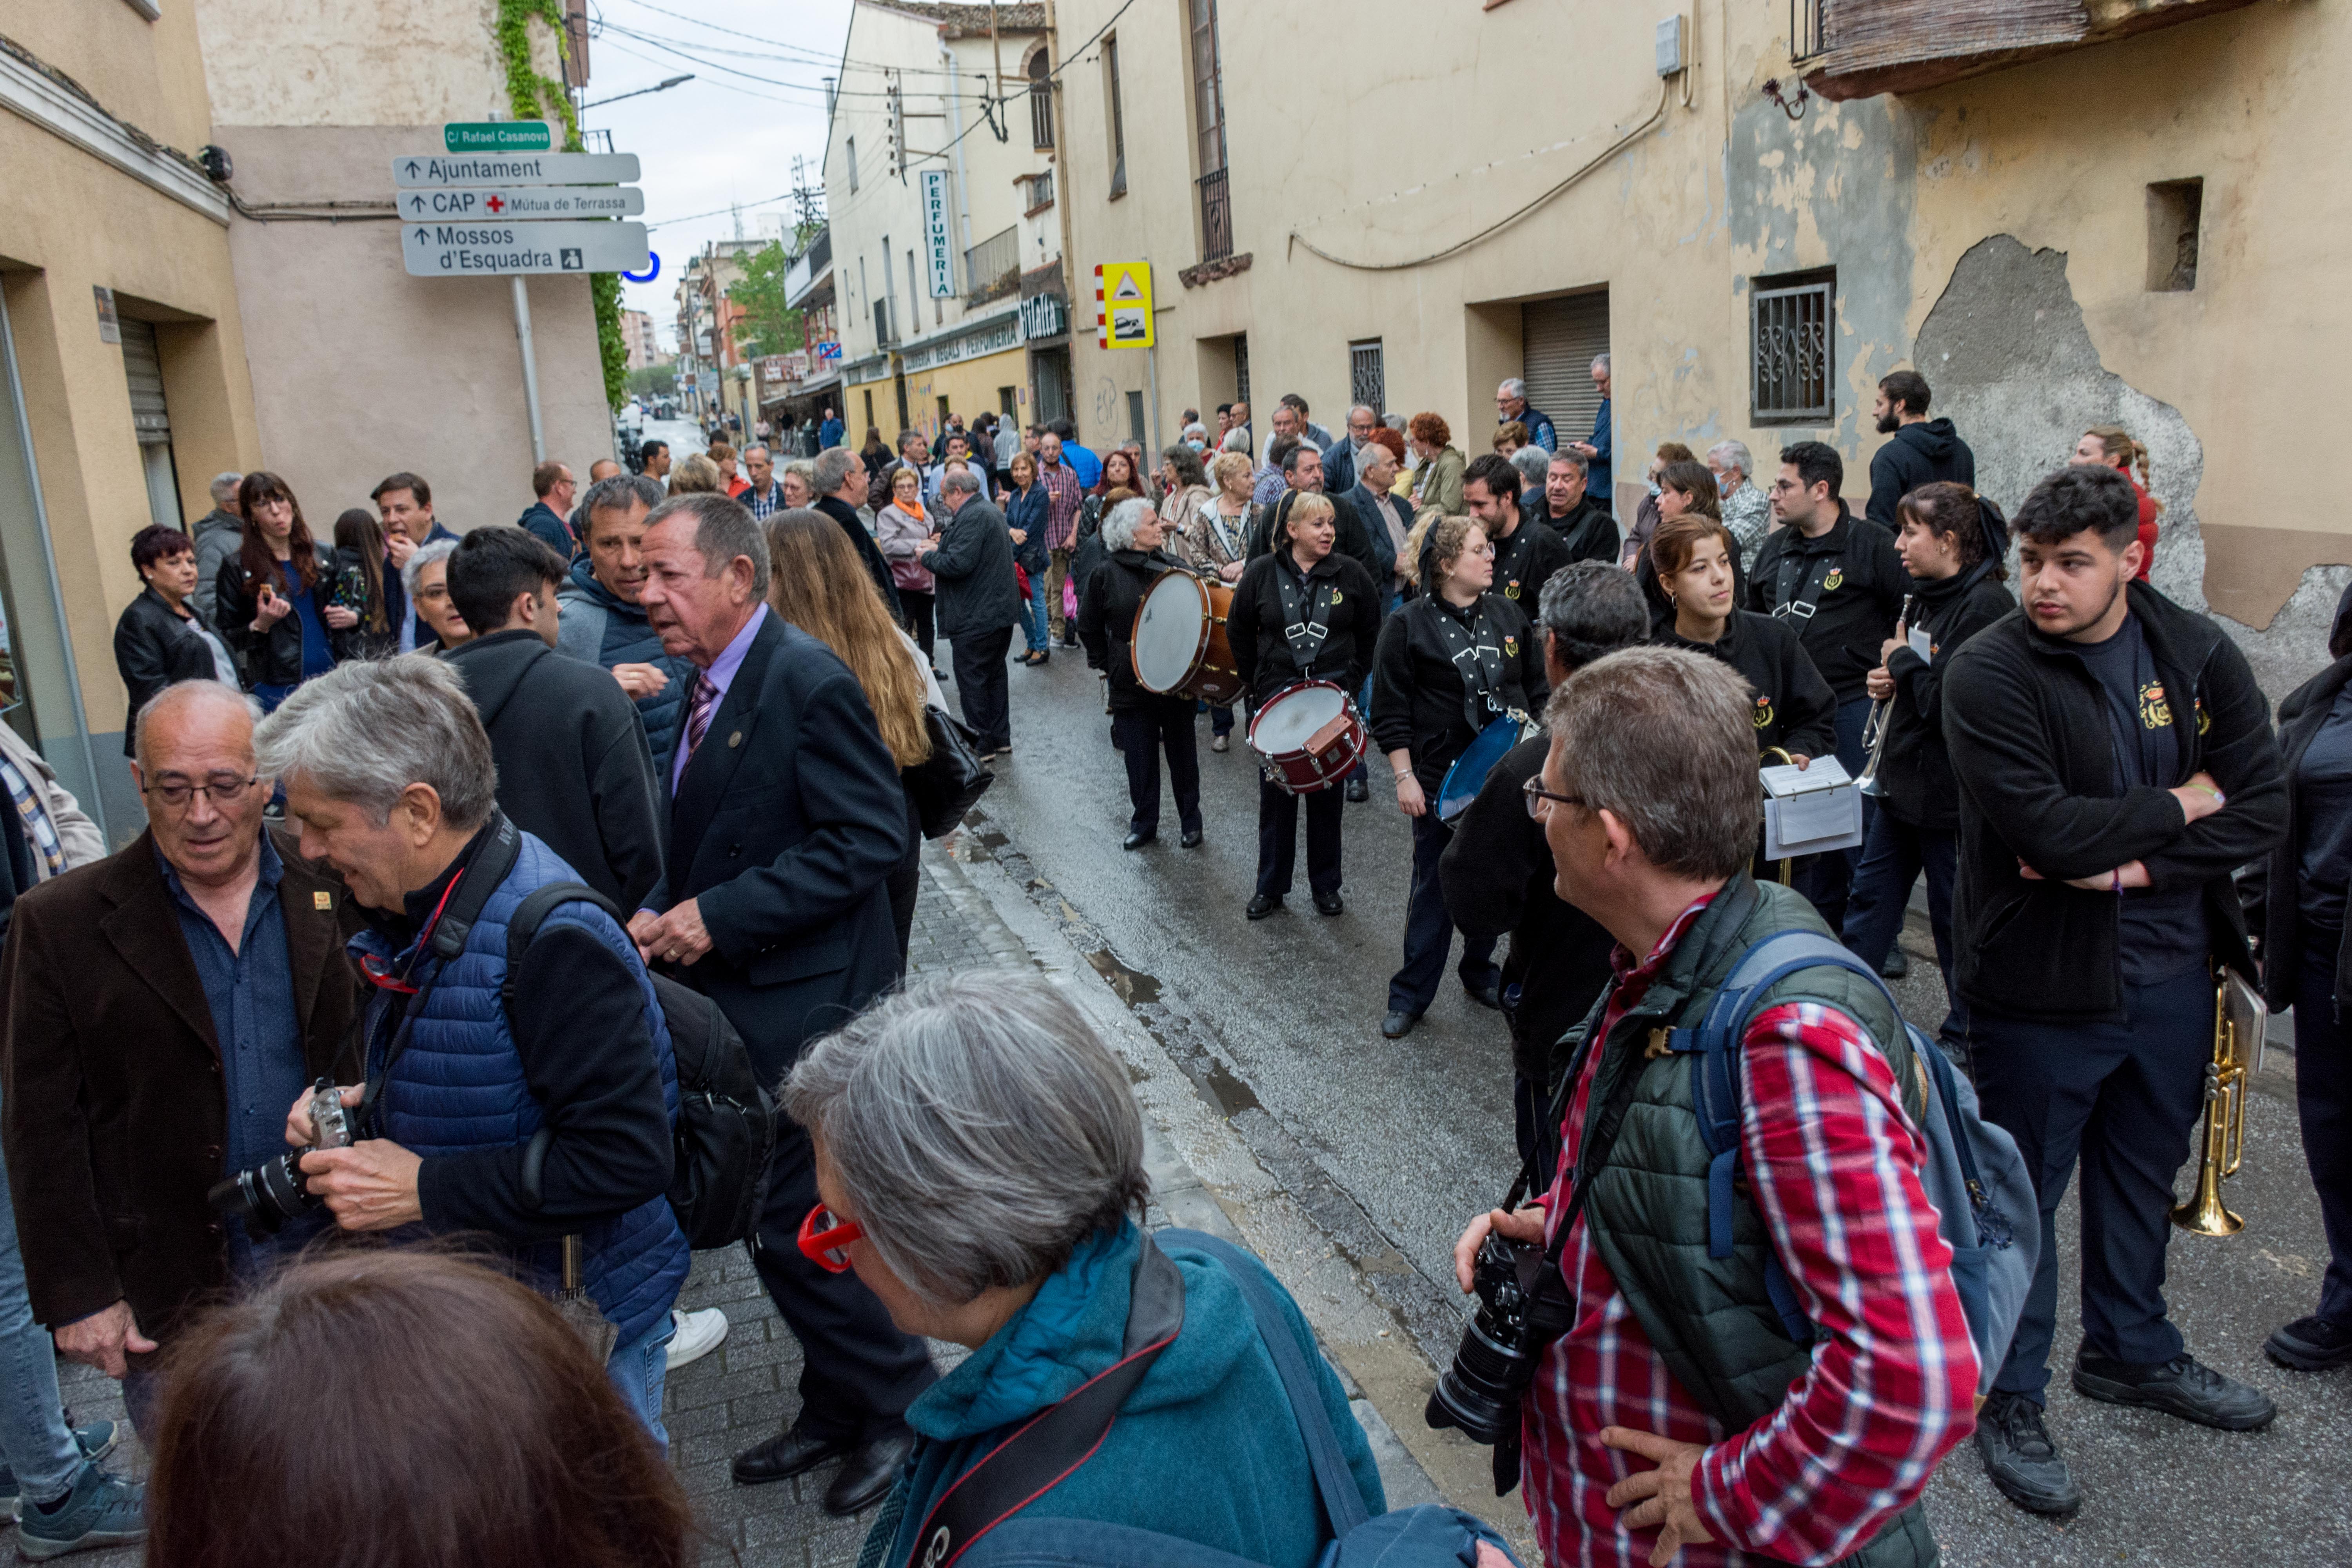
[(1308, 737), (1179, 646)]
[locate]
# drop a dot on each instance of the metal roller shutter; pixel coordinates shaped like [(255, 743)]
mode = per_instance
[(1560, 339), (144, 369)]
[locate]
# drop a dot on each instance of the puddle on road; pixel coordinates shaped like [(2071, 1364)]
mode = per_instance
[(1133, 986), (1233, 1096), (1137, 989)]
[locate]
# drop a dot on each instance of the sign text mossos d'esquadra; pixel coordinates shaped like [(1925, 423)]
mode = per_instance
[(424, 171), (939, 253), (511, 203), (502, 250)]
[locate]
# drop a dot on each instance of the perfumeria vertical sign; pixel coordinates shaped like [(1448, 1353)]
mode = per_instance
[(940, 257)]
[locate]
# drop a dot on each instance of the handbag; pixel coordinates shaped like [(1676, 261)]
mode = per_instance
[(944, 786)]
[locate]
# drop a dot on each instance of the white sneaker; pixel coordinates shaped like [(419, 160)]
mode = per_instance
[(698, 1333)]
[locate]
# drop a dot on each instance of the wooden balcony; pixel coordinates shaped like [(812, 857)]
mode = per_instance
[(1860, 48)]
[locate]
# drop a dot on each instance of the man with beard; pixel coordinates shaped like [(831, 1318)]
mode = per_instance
[(1923, 451)]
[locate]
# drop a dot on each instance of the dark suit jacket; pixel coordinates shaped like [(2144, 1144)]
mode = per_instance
[(112, 1106), (788, 821)]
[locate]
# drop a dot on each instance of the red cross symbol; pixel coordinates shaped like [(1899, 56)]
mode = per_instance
[(496, 204)]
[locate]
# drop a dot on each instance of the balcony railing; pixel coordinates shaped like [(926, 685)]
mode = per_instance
[(991, 268), (1216, 217)]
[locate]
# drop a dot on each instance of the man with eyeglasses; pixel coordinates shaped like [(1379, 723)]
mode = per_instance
[(164, 1005)]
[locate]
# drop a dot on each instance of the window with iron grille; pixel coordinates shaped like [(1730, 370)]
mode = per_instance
[(1241, 367), (1367, 377), (1793, 323), (1208, 87), (1041, 101)]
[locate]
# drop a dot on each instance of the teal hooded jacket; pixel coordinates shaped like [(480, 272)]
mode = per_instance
[(1205, 1448)]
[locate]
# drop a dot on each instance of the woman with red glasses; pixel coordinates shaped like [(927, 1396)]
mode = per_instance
[(980, 1162)]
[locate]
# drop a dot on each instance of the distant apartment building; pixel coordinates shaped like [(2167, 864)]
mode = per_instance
[(645, 348)]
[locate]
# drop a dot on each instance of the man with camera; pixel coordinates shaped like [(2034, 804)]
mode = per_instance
[(533, 1103), (1640, 1414)]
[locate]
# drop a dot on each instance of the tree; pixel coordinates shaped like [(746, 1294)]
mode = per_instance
[(767, 325), (654, 381)]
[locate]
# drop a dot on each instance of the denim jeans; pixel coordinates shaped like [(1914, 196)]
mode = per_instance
[(1034, 623), (638, 1370), (33, 1434)]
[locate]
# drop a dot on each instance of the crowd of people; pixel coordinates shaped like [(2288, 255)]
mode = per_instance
[(472, 862)]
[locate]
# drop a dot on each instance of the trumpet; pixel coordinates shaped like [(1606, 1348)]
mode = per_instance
[(2240, 1023), (1874, 730)]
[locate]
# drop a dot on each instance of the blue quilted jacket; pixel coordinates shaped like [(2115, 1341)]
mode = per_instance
[(459, 1088)]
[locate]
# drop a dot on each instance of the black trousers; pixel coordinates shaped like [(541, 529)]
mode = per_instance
[(1141, 732), (1277, 838), (2323, 1098), (1429, 930), (858, 1371), (2121, 1099), (985, 686), (916, 603)]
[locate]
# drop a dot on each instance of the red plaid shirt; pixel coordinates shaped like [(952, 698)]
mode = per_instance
[(1834, 1163), (1062, 498)]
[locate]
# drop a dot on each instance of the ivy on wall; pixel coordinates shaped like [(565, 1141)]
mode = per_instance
[(530, 96)]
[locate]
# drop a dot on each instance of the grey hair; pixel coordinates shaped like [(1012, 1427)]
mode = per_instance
[(422, 556), (1603, 361), (977, 1127), (1734, 455), (832, 468), (181, 693), (806, 469), (723, 528), (225, 487), (1574, 460), (1118, 528), (1514, 387), (759, 446), (960, 478), (368, 728), (615, 494), (1533, 463), (1195, 428), (1664, 741), (1590, 609)]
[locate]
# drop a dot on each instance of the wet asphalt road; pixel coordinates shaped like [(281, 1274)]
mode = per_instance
[(1394, 1143)]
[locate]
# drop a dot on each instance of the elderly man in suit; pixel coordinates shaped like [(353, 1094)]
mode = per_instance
[(786, 820), (165, 1006)]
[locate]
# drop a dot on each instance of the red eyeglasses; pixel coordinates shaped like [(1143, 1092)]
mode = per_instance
[(824, 1240)]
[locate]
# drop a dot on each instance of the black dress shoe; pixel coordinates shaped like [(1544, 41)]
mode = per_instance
[(1895, 964), (1139, 838), (1190, 838), (1397, 1026), (1262, 905), (2183, 1386), (1490, 995), (2310, 1344), (1359, 791), (790, 1453), (2021, 1459), (1328, 904), (866, 1476)]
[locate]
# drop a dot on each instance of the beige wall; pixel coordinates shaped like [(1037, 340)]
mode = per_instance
[(360, 370), (330, 62)]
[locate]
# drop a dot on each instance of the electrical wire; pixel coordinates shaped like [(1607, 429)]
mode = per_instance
[(812, 56), (705, 61), (1665, 88)]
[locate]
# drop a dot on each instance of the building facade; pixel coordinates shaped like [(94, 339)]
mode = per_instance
[(644, 347), (2061, 215), (938, 185)]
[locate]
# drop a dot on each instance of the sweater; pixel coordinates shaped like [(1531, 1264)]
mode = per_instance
[(1794, 709), (1863, 584), (1587, 531), (1418, 693), (1914, 770), (1256, 624)]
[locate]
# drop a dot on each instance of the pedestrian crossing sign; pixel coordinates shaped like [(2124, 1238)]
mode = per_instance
[(1123, 305)]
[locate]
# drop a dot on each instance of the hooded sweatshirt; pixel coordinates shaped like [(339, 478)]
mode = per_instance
[(1914, 455), (1204, 1447), (599, 627)]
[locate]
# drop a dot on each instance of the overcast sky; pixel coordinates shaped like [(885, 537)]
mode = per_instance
[(723, 137)]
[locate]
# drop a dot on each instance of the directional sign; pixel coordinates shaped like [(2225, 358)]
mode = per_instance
[(525, 201), (424, 171), (938, 248), (498, 136), (1123, 304), (501, 249)]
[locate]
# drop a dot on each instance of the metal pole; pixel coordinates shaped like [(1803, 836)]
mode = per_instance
[(1151, 373), (529, 369)]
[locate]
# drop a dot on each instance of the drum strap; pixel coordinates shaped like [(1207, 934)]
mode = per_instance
[(1305, 611), (1478, 653), (1798, 603)]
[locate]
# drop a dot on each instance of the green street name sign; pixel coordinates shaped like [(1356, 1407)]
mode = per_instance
[(498, 136)]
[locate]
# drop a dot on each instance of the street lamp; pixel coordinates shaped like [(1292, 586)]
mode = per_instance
[(658, 87)]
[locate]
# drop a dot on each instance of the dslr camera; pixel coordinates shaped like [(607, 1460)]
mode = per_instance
[(1522, 1308), (275, 1191)]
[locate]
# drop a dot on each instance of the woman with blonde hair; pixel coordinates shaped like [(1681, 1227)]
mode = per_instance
[(816, 582), (696, 475), (2111, 445)]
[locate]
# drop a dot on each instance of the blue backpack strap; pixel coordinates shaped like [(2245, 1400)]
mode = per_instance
[(1343, 1500)]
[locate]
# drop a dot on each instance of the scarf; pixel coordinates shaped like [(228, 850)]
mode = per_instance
[(1477, 654), (1307, 607), (913, 509)]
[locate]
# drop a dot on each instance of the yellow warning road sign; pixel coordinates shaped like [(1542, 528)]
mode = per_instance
[(1123, 304)]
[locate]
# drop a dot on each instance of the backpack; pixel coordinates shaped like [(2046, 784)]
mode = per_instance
[(1984, 1199), (977, 1524), (726, 1121)]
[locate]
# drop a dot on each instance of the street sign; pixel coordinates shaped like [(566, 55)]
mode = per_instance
[(831, 351), (523, 203), (424, 171), (708, 382), (1123, 304), (498, 136), (505, 249), (939, 255)]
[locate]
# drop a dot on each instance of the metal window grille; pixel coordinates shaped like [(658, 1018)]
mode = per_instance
[(1367, 375), (1208, 87), (1216, 217), (1241, 367), (1041, 102), (1135, 415), (991, 268), (1791, 327)]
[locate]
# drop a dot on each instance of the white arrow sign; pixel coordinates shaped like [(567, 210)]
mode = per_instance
[(502, 250), (511, 203), (426, 170)]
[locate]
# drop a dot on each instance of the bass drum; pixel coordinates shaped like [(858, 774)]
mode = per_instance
[(1178, 645), (1477, 759), (1308, 737)]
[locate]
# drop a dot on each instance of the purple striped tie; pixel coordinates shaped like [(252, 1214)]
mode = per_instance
[(698, 717)]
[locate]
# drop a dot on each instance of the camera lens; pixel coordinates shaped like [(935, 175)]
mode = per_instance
[(267, 1195), (1480, 1393)]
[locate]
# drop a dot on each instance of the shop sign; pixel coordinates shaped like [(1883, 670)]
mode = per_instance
[(1044, 316)]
